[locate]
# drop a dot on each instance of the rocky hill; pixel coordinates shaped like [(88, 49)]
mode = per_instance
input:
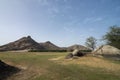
[(24, 43), (76, 46), (27, 43), (49, 46)]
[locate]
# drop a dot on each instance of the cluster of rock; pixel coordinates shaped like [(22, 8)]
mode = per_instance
[(104, 50), (75, 53)]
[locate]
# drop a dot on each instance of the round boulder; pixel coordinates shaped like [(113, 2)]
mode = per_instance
[(77, 52)]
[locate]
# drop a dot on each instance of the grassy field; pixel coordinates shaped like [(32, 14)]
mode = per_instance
[(53, 66)]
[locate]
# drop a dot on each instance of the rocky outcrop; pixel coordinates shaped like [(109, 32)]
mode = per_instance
[(75, 53), (107, 49), (24, 43)]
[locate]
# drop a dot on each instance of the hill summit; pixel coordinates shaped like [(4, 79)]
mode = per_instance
[(27, 43), (24, 43)]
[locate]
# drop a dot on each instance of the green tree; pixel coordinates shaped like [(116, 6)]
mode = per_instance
[(91, 42), (112, 37)]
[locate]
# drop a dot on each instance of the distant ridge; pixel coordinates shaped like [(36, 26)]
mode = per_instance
[(49, 46), (76, 46), (25, 43)]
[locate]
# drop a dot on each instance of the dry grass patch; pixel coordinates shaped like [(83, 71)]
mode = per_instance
[(90, 61), (28, 71)]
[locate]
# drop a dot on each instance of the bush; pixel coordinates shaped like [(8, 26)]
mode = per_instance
[(81, 50), (47, 51)]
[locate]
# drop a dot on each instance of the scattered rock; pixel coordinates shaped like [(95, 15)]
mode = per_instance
[(70, 55), (75, 57)]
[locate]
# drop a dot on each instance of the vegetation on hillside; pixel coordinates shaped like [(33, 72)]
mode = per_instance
[(113, 36)]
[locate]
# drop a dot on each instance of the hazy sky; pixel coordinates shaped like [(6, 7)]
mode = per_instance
[(63, 22)]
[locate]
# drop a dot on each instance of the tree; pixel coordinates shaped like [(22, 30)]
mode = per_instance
[(113, 36), (91, 42)]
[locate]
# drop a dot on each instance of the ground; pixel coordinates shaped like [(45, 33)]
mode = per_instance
[(53, 66)]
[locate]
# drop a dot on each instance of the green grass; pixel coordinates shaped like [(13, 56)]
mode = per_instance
[(39, 67)]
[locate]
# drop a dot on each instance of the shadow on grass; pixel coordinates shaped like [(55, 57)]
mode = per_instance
[(114, 57), (7, 70)]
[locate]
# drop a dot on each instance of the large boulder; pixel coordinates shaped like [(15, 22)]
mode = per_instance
[(107, 50), (75, 53)]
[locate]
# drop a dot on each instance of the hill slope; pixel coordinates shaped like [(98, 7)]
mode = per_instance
[(76, 46), (49, 46), (24, 43)]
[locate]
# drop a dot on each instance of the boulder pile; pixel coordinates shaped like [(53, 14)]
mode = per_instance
[(75, 53)]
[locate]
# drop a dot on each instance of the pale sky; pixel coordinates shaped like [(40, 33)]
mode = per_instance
[(63, 22)]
